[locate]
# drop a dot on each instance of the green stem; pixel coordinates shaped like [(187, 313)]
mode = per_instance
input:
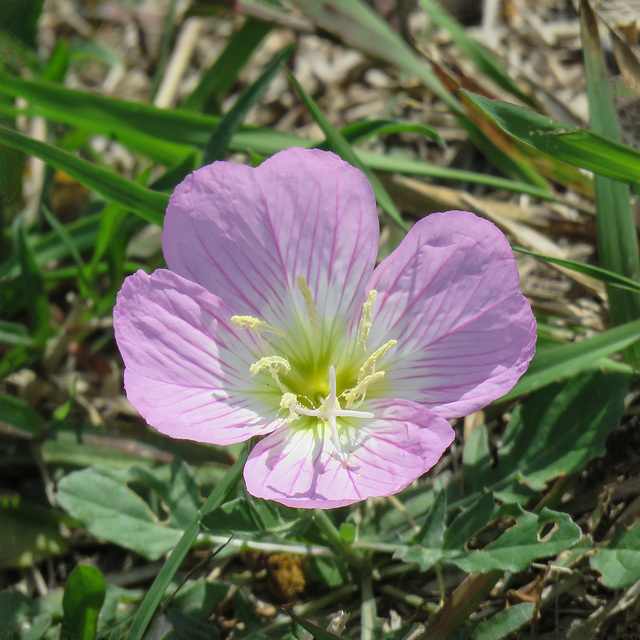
[(332, 535), (171, 566), (368, 609)]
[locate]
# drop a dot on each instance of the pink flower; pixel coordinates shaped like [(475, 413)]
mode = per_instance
[(272, 320)]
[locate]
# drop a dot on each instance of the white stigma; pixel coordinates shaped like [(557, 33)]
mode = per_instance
[(330, 410)]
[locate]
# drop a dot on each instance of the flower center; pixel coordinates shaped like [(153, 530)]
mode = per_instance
[(298, 368)]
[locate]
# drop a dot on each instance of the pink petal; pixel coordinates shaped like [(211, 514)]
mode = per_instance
[(298, 467), (187, 367), (449, 295), (246, 234)]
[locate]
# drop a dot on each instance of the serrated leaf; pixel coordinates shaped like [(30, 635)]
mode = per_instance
[(556, 431), (619, 560)]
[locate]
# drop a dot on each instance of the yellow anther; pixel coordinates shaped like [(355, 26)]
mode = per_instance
[(312, 311), (369, 364), (272, 363), (365, 321), (255, 324), (289, 401), (358, 393)]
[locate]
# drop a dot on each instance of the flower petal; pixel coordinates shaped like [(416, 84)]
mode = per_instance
[(449, 295), (187, 367), (246, 234), (298, 467)]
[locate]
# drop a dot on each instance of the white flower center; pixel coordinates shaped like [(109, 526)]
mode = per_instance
[(298, 368)]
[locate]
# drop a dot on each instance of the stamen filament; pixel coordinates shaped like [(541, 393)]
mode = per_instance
[(312, 310)]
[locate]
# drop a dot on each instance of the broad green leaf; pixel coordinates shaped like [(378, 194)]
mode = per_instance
[(340, 146), (555, 432), (100, 499), (616, 229), (501, 624), (217, 146), (83, 598), (573, 145), (148, 204), (29, 534), (179, 493), (619, 560), (218, 79), (552, 364), (20, 416)]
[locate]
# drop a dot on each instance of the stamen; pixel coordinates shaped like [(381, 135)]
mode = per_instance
[(255, 324), (365, 320), (369, 364), (312, 311), (273, 363), (359, 392)]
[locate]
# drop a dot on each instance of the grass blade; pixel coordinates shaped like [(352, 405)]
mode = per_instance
[(604, 275), (554, 363), (148, 204), (483, 59), (576, 146), (617, 235), (217, 81), (217, 146)]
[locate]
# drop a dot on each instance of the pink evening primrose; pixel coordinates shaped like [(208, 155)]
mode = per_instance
[(272, 320)]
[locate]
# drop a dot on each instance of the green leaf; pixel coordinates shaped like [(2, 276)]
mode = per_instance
[(484, 60), (133, 123), (163, 579), (359, 131), (504, 622), (555, 432), (616, 229), (20, 416), (340, 146), (486, 537), (100, 499), (619, 560), (571, 144), (20, 19), (258, 517), (83, 598), (604, 275), (14, 333), (218, 79), (552, 364), (219, 142), (29, 533), (33, 285), (149, 205)]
